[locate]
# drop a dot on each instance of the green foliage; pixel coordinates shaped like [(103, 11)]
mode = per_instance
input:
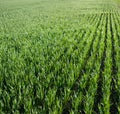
[(59, 56)]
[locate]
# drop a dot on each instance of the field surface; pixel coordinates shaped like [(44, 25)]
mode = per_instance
[(59, 56)]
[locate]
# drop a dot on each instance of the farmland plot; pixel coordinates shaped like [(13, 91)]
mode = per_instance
[(60, 57)]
